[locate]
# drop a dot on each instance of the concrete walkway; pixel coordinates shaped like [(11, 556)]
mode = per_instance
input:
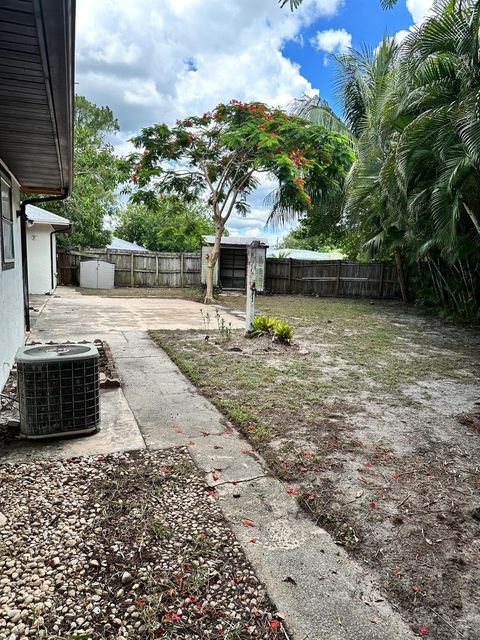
[(322, 593)]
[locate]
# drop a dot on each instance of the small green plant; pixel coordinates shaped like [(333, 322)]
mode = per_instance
[(160, 530), (283, 332), (206, 320), (224, 328), (280, 330), (262, 325)]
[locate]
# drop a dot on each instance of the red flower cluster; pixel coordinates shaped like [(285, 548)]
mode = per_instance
[(300, 182), (253, 108), (296, 157)]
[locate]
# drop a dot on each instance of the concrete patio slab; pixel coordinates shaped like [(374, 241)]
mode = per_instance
[(73, 314), (118, 432)]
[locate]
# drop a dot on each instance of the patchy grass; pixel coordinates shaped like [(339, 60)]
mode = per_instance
[(360, 413), (185, 293)]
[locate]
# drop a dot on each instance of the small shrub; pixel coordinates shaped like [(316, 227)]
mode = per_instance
[(283, 332), (262, 325), (280, 330)]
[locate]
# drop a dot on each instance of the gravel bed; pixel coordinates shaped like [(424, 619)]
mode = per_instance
[(122, 546)]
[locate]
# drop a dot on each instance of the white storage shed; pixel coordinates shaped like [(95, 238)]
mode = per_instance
[(231, 268), (97, 274)]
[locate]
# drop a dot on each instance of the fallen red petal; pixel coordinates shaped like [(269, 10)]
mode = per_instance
[(248, 523), (424, 630), (373, 505), (275, 624), (308, 454), (292, 491), (253, 540)]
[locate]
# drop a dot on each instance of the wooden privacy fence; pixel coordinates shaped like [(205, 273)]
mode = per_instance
[(333, 278), (134, 268)]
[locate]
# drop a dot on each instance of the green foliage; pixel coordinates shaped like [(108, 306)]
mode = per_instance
[(98, 172), (281, 255), (220, 154), (283, 332), (224, 328), (262, 325), (168, 224), (413, 193), (280, 330)]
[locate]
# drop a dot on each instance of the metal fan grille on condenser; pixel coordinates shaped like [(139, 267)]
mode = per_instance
[(58, 390)]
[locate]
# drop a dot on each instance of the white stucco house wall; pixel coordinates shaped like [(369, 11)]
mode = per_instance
[(42, 227), (12, 324), (36, 143)]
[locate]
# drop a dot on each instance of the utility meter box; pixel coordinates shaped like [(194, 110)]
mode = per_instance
[(97, 274)]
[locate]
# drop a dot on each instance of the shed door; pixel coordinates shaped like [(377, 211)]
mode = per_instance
[(233, 268)]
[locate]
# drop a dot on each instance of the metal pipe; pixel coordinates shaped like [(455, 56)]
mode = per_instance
[(23, 237), (52, 275)]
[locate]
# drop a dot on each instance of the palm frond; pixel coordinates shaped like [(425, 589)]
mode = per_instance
[(294, 4)]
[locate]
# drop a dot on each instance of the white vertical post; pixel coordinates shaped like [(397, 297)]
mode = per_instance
[(251, 287)]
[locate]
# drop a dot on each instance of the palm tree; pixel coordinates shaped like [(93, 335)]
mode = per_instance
[(439, 149)]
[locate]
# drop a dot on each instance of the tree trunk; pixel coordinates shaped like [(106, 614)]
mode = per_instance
[(212, 261), (472, 215), (399, 261)]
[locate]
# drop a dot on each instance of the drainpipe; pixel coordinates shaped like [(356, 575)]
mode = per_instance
[(52, 274), (23, 237)]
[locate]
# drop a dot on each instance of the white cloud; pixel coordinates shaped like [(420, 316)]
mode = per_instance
[(419, 9), (332, 40), (156, 61)]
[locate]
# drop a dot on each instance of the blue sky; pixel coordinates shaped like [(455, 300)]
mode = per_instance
[(364, 20), (156, 61)]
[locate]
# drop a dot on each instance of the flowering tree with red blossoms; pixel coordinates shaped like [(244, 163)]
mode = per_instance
[(222, 153)]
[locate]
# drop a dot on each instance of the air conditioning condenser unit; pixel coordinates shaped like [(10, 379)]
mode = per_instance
[(58, 390)]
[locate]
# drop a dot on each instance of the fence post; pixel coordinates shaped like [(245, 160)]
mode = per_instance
[(289, 285), (182, 268), (132, 269), (156, 270), (339, 273), (382, 278)]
